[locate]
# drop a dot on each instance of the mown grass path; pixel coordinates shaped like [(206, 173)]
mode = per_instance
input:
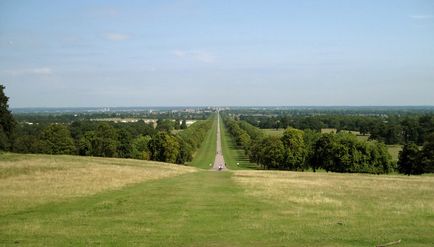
[(201, 209), (235, 157), (206, 153)]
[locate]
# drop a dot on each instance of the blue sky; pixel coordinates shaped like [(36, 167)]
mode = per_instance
[(163, 53)]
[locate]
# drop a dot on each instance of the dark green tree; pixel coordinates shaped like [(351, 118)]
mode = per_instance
[(177, 124), (427, 154), (106, 141), (86, 144), (7, 122), (409, 162), (184, 124), (124, 141), (58, 140), (323, 152)]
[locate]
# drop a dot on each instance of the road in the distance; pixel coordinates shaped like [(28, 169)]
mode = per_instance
[(219, 160)]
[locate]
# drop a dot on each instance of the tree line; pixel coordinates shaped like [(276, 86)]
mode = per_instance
[(300, 150), (137, 140), (390, 129), (68, 117)]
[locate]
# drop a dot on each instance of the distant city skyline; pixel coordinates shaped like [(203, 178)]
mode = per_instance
[(213, 53)]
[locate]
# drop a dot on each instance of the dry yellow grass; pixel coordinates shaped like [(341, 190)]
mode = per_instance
[(396, 194), (38, 179)]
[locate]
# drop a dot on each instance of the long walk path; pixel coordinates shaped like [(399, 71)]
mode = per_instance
[(219, 160)]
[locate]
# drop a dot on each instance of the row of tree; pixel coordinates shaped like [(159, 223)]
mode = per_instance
[(390, 129), (106, 139), (301, 150)]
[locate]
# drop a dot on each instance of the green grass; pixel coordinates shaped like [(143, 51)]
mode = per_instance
[(232, 154), (207, 151), (394, 151), (30, 180), (234, 208)]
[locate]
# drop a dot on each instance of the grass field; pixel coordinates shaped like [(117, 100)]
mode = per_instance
[(194, 207), (232, 153), (394, 151), (206, 153), (29, 180)]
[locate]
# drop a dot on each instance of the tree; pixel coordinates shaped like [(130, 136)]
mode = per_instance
[(58, 140), (184, 124), (140, 148), (295, 149), (177, 124), (377, 158), (255, 150), (323, 152), (164, 147), (165, 125), (7, 121), (106, 141), (410, 129), (426, 124), (124, 141), (86, 143), (244, 140), (272, 152), (185, 152), (427, 154), (310, 138), (409, 160)]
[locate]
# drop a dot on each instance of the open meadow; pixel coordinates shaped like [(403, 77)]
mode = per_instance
[(69, 200)]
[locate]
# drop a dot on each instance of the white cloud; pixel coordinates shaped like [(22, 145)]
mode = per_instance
[(116, 36), (421, 17), (30, 71), (200, 56)]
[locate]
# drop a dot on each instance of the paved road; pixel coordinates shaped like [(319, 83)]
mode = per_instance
[(219, 160)]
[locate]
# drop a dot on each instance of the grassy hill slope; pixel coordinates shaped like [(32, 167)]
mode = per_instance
[(156, 204)]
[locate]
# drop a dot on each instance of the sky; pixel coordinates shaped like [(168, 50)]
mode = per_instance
[(205, 53)]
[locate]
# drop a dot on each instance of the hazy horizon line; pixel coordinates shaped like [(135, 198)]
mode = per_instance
[(181, 106)]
